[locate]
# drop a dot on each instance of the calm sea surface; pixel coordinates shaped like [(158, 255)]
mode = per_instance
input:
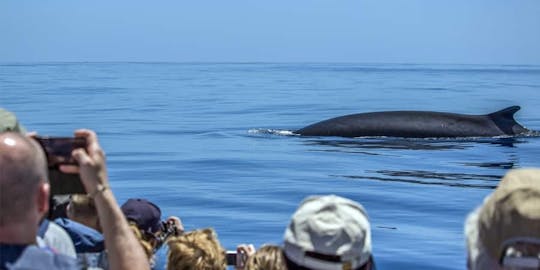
[(206, 142)]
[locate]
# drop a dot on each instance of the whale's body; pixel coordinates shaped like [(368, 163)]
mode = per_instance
[(418, 124)]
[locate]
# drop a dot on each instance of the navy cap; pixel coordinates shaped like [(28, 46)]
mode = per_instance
[(145, 214)]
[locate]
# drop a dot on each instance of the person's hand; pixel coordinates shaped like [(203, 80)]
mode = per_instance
[(243, 252), (177, 223), (91, 160)]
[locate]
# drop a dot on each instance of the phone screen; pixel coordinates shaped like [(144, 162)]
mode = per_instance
[(231, 257), (58, 151)]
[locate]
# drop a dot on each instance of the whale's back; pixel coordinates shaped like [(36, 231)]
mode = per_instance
[(417, 124)]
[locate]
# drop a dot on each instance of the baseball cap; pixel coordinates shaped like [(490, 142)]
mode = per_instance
[(328, 232), (145, 214), (9, 122), (512, 212)]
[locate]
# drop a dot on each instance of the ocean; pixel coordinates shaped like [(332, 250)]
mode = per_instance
[(209, 142)]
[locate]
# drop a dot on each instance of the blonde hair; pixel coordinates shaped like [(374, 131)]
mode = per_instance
[(268, 257), (147, 247), (196, 250), (82, 205), (82, 209)]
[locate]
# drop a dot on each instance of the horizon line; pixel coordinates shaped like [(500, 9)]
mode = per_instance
[(253, 62)]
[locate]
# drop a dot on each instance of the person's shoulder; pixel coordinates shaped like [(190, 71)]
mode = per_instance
[(34, 257), (86, 239), (57, 238), (69, 225)]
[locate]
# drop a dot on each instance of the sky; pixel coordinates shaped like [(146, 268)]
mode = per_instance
[(374, 31)]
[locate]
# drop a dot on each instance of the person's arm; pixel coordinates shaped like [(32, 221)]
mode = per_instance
[(124, 251)]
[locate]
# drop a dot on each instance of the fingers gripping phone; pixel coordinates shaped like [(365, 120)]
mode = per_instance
[(58, 151)]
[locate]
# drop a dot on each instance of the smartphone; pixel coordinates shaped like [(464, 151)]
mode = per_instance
[(231, 257), (234, 259), (58, 151)]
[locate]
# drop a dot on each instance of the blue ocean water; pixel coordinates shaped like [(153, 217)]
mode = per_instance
[(206, 142)]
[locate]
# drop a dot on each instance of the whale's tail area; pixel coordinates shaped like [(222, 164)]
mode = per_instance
[(504, 119)]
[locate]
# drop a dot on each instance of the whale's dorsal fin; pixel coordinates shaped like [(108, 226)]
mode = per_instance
[(507, 113), (504, 119)]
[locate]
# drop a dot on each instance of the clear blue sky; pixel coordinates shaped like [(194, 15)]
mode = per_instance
[(375, 31)]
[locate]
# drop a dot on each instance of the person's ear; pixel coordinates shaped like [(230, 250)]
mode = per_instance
[(43, 198)]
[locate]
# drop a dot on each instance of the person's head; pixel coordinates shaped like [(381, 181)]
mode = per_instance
[(196, 250), (328, 232), (268, 257), (504, 232), (82, 209), (147, 217), (24, 187)]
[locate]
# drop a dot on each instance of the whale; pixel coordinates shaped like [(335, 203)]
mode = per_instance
[(418, 124)]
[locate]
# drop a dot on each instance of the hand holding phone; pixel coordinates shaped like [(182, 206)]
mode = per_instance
[(239, 257), (58, 151)]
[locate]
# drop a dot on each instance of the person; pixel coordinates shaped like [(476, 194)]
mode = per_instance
[(504, 232), (24, 201), (144, 214), (82, 209), (89, 243), (147, 217), (267, 257), (49, 233), (55, 237), (196, 250), (145, 221), (328, 232), (24, 195), (82, 225)]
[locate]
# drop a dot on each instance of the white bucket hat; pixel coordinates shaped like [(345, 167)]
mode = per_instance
[(328, 232)]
